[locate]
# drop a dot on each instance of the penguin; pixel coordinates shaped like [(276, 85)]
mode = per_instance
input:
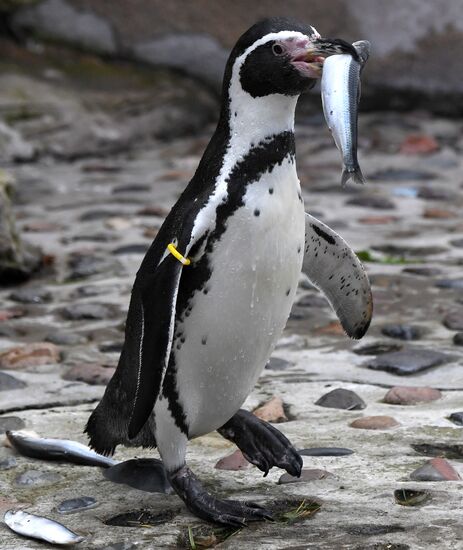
[(215, 289)]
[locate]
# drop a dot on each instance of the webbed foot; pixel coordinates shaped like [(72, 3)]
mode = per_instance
[(261, 443), (229, 513)]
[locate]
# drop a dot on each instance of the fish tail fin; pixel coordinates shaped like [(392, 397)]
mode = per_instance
[(355, 175)]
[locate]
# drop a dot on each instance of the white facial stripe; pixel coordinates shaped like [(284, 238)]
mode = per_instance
[(282, 35)]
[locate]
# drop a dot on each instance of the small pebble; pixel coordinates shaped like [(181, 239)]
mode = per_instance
[(35, 478), (118, 223), (408, 361), (306, 475), (11, 423), (402, 174), (439, 214), (140, 248), (423, 271), (410, 497), (62, 338), (445, 450), (312, 300), (454, 320), (325, 451), (418, 144), (408, 395), (434, 194), (234, 462), (29, 355), (402, 250), (272, 410), (119, 546), (8, 463), (450, 283), (76, 505), (437, 469), (90, 373), (402, 332), (95, 215), (111, 347), (31, 296), (371, 201), (8, 382), (87, 311), (341, 399), (333, 328), (377, 348), (276, 363), (374, 423), (132, 188)]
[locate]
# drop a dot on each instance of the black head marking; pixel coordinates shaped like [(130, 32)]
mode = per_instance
[(265, 72)]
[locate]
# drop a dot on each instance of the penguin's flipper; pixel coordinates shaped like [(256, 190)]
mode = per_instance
[(333, 267), (153, 305)]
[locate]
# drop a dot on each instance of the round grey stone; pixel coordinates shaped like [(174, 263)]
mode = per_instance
[(31, 295), (341, 399), (8, 463), (37, 478), (9, 423), (409, 361), (74, 505)]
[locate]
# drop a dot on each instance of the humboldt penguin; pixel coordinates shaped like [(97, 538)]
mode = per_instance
[(215, 289)]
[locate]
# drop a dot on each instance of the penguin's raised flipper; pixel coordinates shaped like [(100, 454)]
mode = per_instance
[(153, 306), (333, 267), (261, 443), (229, 513)]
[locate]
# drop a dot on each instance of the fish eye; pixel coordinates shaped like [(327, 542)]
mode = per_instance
[(277, 49)]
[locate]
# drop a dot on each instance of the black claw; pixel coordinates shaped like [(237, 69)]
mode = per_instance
[(229, 513), (262, 444)]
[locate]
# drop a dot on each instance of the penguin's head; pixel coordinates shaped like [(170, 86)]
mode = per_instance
[(280, 56)]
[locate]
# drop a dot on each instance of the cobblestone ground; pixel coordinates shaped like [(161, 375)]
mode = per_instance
[(94, 218)]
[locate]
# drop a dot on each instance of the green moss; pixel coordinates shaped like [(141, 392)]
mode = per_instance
[(368, 256)]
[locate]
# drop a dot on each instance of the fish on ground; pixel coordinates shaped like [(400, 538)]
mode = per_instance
[(37, 527), (57, 449)]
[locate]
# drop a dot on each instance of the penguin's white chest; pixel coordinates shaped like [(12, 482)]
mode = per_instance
[(237, 318)]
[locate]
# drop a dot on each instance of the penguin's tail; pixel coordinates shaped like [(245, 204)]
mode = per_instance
[(108, 425)]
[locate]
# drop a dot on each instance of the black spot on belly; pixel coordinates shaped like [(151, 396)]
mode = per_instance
[(323, 235), (204, 340), (299, 248), (288, 291), (271, 190), (256, 212)]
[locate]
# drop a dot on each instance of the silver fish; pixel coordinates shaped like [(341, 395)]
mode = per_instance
[(340, 97), (57, 449), (36, 527)]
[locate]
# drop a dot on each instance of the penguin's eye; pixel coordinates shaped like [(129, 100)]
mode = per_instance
[(277, 49)]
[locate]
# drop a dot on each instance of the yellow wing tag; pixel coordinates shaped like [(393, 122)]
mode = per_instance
[(176, 254)]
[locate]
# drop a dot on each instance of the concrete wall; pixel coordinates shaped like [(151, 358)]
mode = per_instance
[(416, 44)]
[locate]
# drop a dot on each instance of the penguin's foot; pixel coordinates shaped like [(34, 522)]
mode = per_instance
[(229, 513), (261, 443)]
